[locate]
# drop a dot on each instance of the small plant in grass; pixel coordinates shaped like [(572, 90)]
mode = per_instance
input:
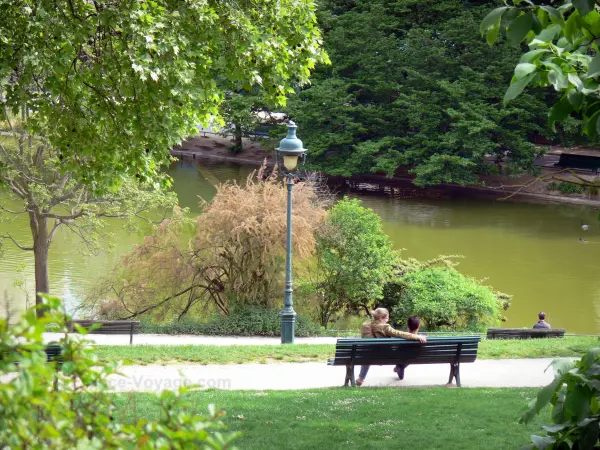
[(573, 395), (47, 405)]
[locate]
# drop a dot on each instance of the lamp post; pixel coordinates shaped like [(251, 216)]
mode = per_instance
[(289, 152)]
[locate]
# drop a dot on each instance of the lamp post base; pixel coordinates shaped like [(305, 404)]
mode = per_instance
[(288, 323)]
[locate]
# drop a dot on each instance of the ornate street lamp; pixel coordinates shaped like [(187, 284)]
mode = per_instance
[(289, 154)]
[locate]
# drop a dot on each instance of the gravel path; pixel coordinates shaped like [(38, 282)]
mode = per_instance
[(184, 339), (284, 376)]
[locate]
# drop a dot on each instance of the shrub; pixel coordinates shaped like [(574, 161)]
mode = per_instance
[(566, 188), (446, 299), (45, 406), (248, 321), (573, 394), (354, 260)]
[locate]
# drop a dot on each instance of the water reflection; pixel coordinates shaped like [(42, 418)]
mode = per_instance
[(529, 250)]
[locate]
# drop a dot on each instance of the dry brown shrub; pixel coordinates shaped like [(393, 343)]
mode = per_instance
[(236, 258)]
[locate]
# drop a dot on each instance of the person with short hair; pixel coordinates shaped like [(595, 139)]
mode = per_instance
[(413, 324), (542, 321), (380, 328)]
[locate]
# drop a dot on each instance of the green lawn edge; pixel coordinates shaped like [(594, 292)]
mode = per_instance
[(244, 354)]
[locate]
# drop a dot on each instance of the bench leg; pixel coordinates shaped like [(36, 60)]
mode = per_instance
[(454, 373), (348, 376)]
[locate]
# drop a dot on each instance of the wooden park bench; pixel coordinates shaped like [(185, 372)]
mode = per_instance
[(129, 327), (525, 333), (452, 350), (581, 162)]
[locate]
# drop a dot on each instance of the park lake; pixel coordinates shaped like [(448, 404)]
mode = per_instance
[(530, 250)]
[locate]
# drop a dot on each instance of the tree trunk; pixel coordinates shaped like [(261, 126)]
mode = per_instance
[(237, 136), (39, 232)]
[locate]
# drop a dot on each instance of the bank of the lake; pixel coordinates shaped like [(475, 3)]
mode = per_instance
[(529, 250)]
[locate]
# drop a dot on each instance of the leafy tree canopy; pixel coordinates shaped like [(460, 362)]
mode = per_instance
[(354, 260), (562, 43), (411, 85), (112, 84)]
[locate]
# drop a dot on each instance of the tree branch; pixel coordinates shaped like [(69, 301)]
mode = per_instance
[(5, 236)]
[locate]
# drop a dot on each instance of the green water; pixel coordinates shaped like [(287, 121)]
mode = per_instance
[(531, 251)]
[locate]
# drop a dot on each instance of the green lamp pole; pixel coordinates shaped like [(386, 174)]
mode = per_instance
[(290, 150)]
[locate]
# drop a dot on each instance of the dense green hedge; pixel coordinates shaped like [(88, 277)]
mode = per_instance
[(243, 322)]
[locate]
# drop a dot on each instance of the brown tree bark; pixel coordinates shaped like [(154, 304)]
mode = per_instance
[(39, 231)]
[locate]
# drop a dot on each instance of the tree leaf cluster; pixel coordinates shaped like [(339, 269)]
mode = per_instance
[(561, 40), (575, 410), (354, 259), (112, 85), (412, 89), (47, 405)]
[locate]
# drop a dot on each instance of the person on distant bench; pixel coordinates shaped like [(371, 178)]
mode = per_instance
[(380, 328), (413, 324), (542, 322)]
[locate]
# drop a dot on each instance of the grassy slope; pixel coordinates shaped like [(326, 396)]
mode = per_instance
[(433, 418), (205, 354)]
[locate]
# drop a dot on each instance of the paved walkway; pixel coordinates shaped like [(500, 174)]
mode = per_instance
[(185, 339), (484, 373)]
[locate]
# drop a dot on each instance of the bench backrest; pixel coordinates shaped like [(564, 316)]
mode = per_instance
[(109, 326), (524, 333), (448, 349), (578, 161)]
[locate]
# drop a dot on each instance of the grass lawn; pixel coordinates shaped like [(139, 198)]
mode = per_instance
[(210, 354), (433, 418)]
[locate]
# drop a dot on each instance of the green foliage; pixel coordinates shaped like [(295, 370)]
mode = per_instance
[(354, 259), (112, 84), (246, 321), (51, 406), (412, 87), (566, 188), (445, 299), (573, 394), (563, 53)]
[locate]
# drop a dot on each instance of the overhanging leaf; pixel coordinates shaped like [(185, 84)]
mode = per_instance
[(559, 111), (492, 34), (492, 18), (589, 436), (554, 14), (542, 442), (518, 28), (517, 87), (594, 67), (584, 6), (523, 69)]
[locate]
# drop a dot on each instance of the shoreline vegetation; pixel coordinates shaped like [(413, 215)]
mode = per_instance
[(524, 188), (265, 354)]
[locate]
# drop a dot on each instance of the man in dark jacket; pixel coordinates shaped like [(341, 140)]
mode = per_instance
[(542, 322)]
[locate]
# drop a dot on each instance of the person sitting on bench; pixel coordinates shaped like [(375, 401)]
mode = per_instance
[(542, 322), (380, 328), (413, 324)]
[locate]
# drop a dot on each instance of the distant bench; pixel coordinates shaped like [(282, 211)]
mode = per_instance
[(582, 162), (453, 350), (525, 333), (129, 327), (53, 353)]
